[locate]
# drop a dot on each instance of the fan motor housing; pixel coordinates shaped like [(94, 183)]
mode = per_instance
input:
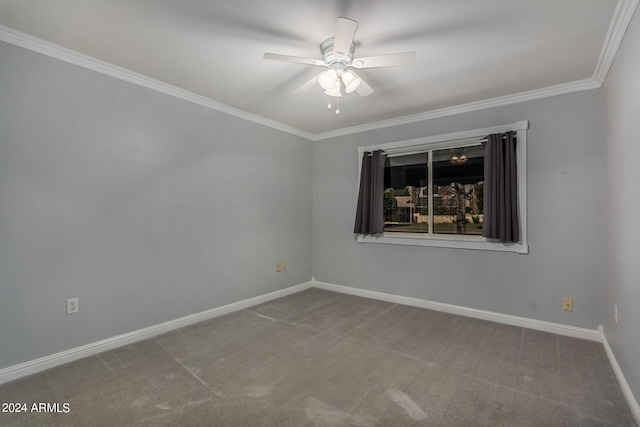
[(331, 58)]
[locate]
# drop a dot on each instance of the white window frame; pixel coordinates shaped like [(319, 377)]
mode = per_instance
[(446, 141)]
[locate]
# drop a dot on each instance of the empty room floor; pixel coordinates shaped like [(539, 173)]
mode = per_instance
[(320, 358)]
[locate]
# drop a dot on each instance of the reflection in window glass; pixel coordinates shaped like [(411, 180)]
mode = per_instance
[(458, 175), (406, 205), (456, 196)]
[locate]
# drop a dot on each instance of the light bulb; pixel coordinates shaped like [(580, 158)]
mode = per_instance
[(335, 90), (351, 81), (328, 79)]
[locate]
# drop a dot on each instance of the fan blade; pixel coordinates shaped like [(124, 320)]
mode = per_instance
[(295, 59), (345, 32), (391, 60), (308, 85), (363, 88)]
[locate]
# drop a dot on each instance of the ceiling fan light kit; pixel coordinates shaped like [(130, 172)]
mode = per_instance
[(351, 81), (328, 79), (458, 157), (334, 91), (337, 56)]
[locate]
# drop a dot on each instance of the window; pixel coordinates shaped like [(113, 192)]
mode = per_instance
[(433, 191)]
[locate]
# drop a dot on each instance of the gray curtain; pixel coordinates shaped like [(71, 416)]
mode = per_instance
[(369, 213), (501, 188)]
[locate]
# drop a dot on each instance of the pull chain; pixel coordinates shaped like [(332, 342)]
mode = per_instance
[(337, 105)]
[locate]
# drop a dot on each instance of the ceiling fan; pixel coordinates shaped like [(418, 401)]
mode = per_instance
[(337, 56)]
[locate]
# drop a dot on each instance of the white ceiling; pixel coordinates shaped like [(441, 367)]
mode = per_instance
[(467, 50)]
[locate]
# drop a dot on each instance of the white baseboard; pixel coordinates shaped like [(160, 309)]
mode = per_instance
[(624, 385), (43, 363), (556, 328)]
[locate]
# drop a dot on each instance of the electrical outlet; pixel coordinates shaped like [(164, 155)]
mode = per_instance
[(283, 265), (615, 312), (72, 305), (567, 304)]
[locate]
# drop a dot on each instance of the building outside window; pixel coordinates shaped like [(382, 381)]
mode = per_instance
[(441, 196), (434, 191)]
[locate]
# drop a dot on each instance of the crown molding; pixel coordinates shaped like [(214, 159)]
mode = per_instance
[(622, 16), (55, 51), (561, 89), (617, 28), (620, 21)]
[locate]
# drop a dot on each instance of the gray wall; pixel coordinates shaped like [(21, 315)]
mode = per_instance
[(146, 207), (149, 208), (621, 205), (564, 200)]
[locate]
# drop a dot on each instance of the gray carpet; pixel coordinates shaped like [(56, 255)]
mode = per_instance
[(321, 358)]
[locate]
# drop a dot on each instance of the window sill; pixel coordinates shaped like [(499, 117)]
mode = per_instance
[(458, 242)]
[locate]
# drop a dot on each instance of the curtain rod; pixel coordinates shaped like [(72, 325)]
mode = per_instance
[(522, 125), (444, 145), (460, 143)]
